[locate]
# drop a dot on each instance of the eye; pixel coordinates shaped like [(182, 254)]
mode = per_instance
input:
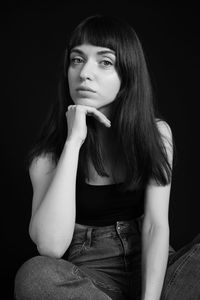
[(76, 60), (106, 63)]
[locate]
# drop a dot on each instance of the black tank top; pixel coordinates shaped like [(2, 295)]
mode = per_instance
[(102, 205)]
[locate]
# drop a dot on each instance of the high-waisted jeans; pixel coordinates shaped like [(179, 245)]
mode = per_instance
[(105, 263)]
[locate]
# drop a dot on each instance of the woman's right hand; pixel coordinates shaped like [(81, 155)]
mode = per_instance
[(76, 121)]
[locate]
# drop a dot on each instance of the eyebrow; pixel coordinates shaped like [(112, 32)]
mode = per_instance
[(101, 52)]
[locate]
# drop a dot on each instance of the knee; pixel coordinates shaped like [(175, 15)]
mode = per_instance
[(34, 277)]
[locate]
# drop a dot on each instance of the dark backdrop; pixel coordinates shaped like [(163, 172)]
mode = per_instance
[(33, 39)]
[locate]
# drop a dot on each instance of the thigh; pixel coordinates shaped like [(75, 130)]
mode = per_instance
[(182, 280), (50, 278)]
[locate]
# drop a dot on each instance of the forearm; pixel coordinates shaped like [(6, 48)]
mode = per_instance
[(52, 225), (154, 261)]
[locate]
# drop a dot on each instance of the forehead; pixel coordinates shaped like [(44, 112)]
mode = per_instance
[(92, 49)]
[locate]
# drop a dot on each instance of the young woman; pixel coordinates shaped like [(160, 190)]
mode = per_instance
[(101, 173)]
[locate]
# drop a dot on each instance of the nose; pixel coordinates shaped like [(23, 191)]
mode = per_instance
[(87, 71)]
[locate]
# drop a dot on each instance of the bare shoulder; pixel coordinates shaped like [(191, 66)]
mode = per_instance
[(164, 129), (41, 167), (167, 138)]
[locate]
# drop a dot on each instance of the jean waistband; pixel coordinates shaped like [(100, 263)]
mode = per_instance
[(133, 226)]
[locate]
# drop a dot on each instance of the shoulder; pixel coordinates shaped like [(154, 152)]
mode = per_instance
[(167, 138), (41, 166), (164, 128)]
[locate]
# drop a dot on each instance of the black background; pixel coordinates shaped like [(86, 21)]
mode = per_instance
[(33, 38)]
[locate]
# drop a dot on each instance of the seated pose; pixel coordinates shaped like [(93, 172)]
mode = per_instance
[(101, 171)]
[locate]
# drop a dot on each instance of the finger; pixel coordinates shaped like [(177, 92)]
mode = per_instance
[(98, 115), (70, 106), (92, 110)]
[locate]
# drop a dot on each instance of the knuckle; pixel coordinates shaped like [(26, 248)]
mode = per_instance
[(71, 107), (79, 107)]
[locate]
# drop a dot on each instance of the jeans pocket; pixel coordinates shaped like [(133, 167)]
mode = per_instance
[(75, 249)]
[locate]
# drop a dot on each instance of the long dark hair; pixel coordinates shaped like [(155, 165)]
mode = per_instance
[(139, 145)]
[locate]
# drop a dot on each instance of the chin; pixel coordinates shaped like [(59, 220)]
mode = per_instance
[(85, 101)]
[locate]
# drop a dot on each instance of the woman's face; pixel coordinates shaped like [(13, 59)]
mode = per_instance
[(92, 76)]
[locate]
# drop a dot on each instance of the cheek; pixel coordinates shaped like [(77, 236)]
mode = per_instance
[(113, 87), (72, 75), (69, 77), (71, 82)]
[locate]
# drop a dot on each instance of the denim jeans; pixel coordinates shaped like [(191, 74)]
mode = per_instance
[(105, 263)]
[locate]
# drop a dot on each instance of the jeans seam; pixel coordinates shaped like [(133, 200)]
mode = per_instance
[(75, 271), (107, 287), (178, 270), (74, 253), (124, 251)]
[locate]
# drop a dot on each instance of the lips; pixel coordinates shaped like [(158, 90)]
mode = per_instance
[(85, 89)]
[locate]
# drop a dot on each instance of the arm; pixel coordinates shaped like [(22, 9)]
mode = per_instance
[(53, 209), (155, 231)]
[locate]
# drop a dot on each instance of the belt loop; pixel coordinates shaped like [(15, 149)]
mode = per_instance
[(89, 236)]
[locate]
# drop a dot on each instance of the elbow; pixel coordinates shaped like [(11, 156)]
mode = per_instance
[(52, 249), (48, 252), (49, 244), (161, 229)]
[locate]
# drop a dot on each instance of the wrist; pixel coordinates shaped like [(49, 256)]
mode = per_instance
[(74, 142)]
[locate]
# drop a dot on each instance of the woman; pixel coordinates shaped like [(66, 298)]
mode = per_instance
[(101, 172)]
